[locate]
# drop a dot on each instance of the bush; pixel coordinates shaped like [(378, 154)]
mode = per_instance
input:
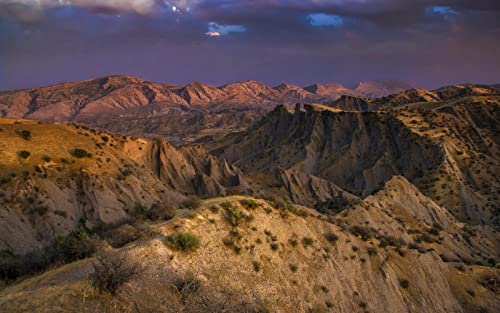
[(23, 154), (111, 271), (404, 283), (249, 204), (184, 241), (160, 211), (186, 286), (79, 153), (46, 158), (192, 202), (293, 267), (331, 237), (234, 216), (25, 134), (307, 241), (274, 246), (372, 250), (76, 245), (365, 233)]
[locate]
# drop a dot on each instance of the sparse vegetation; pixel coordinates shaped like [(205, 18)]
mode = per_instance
[(404, 283), (249, 204), (24, 154), (307, 241), (111, 271), (233, 215), (331, 237), (183, 241), (25, 134), (80, 153), (362, 232), (76, 245), (192, 202)]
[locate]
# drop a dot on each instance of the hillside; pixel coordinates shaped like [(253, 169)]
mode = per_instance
[(449, 149), (294, 261), (54, 177)]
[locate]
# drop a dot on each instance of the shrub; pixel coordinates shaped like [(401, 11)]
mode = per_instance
[(256, 266), (192, 202), (46, 158), (160, 211), (372, 250), (79, 153), (365, 233), (186, 286), (331, 237), (23, 154), (25, 134), (292, 242), (307, 241), (76, 245), (234, 216), (404, 283), (274, 246), (293, 267), (249, 204), (139, 209), (183, 241), (111, 271)]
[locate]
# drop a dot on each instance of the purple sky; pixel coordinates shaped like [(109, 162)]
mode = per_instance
[(423, 42)]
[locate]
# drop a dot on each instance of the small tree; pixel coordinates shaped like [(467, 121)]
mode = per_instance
[(112, 270)]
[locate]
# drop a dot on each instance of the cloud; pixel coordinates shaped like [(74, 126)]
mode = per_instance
[(322, 19), (441, 9), (223, 29), (31, 10), (213, 34)]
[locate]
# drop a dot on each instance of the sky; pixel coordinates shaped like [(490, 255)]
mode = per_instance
[(427, 43)]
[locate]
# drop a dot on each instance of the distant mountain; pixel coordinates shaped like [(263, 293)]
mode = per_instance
[(135, 106)]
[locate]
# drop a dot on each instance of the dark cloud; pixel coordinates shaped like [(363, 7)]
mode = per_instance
[(428, 43)]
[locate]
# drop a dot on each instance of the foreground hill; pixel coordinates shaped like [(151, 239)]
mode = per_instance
[(257, 257)]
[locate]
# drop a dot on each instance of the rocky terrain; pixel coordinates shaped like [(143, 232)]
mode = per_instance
[(357, 203)]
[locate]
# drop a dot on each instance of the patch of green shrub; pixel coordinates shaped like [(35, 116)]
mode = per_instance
[(76, 245), (331, 237), (363, 232), (307, 241), (25, 134), (183, 241), (23, 154), (249, 204), (234, 216), (80, 153)]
